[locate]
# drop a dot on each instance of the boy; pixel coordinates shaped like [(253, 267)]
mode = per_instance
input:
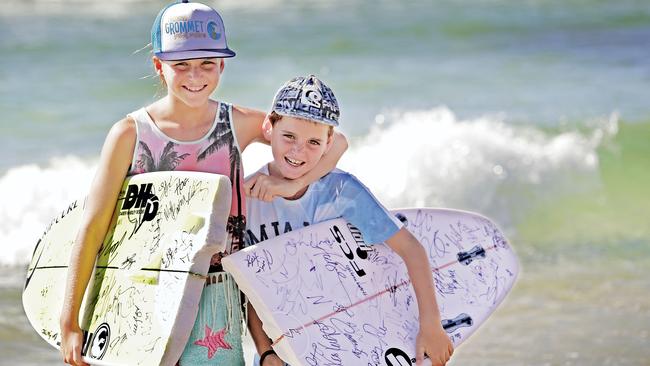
[(302, 121)]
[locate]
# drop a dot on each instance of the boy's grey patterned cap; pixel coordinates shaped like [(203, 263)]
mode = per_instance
[(307, 97)]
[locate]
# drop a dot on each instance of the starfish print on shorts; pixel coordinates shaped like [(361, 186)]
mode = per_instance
[(213, 341)]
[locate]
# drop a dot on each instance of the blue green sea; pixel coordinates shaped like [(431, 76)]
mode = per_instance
[(535, 113)]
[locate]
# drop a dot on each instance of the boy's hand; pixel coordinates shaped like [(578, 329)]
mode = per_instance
[(265, 187), (433, 341)]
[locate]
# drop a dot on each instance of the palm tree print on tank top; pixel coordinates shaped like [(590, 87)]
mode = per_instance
[(216, 152), (222, 137), (169, 158)]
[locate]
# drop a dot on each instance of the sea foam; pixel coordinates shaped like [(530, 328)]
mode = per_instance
[(427, 158)]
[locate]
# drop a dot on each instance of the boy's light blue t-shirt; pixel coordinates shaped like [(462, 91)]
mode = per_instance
[(338, 194)]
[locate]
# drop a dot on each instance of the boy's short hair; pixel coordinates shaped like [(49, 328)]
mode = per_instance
[(274, 117), (309, 98)]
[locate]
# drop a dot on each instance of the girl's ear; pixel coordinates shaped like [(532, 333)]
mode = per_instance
[(267, 128), (157, 66)]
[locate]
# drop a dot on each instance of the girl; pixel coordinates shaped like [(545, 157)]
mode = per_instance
[(185, 130)]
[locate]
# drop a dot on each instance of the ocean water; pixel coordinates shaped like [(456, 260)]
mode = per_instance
[(534, 113)]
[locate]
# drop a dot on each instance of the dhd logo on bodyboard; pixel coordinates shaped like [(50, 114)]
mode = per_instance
[(141, 201), (96, 344)]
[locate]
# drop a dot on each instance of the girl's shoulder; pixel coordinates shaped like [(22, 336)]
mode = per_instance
[(117, 151), (124, 127), (247, 123), (247, 115), (123, 132)]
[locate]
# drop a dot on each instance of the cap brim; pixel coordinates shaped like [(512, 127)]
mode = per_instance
[(305, 116), (188, 55)]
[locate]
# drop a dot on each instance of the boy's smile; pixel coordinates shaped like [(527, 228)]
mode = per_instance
[(294, 163)]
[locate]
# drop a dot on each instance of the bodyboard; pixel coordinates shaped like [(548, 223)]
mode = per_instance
[(326, 297)]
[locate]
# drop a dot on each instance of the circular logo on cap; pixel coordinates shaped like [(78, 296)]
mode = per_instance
[(99, 344), (213, 31), (311, 96)]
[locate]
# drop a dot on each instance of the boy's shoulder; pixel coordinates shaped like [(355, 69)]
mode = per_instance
[(338, 174), (335, 175), (264, 169), (340, 179)]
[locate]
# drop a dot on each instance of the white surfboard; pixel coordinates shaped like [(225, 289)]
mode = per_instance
[(144, 293), (327, 298)]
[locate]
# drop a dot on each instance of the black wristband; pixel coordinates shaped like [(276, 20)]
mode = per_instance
[(265, 355)]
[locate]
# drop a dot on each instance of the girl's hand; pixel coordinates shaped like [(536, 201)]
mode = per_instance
[(433, 341), (265, 187), (71, 345)]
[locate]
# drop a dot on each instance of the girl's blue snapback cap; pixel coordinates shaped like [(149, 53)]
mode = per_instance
[(185, 30)]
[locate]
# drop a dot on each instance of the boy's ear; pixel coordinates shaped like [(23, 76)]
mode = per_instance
[(267, 128), (328, 146), (223, 65)]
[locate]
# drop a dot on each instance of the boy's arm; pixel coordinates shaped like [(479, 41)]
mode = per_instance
[(432, 338), (261, 340)]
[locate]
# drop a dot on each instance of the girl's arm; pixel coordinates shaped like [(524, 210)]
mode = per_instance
[(249, 128), (111, 171), (432, 338)]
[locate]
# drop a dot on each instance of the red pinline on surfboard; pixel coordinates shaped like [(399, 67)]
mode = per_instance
[(387, 290)]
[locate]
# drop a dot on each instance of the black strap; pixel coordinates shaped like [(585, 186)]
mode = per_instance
[(266, 354)]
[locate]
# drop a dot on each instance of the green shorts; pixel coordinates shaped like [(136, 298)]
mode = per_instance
[(216, 338)]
